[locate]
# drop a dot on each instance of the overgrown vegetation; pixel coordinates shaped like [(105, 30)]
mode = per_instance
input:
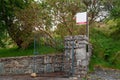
[(106, 49), (21, 20)]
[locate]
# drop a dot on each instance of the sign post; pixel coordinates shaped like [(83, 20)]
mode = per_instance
[(82, 19)]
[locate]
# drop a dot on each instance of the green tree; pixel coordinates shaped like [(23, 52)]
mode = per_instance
[(63, 12), (7, 17), (34, 19), (115, 14)]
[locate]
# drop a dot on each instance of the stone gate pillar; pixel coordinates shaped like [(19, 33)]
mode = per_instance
[(77, 56)]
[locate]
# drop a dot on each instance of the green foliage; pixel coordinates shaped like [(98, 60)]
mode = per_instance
[(59, 44), (21, 17), (116, 32), (8, 9), (106, 50), (2, 34), (63, 14), (115, 14), (13, 52)]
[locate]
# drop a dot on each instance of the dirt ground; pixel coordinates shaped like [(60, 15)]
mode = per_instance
[(98, 74), (30, 78), (48, 76)]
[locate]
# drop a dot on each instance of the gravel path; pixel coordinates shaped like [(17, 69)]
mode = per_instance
[(105, 74), (99, 74)]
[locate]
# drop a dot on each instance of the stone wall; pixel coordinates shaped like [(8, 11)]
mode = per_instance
[(74, 62), (77, 53), (29, 64)]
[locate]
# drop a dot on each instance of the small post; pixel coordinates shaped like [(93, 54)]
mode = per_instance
[(34, 58), (72, 56), (87, 27), (34, 68)]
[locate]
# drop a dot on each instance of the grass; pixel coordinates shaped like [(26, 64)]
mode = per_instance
[(13, 52)]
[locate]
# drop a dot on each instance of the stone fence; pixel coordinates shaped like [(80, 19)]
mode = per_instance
[(29, 64), (74, 62), (77, 55)]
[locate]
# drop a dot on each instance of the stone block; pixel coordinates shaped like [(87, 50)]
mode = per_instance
[(80, 54), (84, 63), (1, 68), (49, 68)]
